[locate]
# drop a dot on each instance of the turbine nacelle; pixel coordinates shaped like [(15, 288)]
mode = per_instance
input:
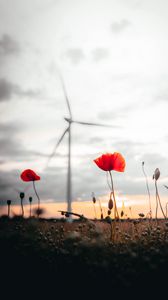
[(69, 120)]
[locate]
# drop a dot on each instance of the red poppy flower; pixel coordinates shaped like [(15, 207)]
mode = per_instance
[(29, 175), (109, 162)]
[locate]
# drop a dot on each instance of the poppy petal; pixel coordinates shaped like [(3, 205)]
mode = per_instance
[(102, 163), (118, 162), (29, 175), (109, 162)]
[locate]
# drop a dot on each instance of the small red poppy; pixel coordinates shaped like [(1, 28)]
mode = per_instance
[(109, 162), (29, 175)]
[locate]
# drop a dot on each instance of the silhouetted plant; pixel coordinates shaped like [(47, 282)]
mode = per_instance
[(8, 204), (30, 202), (39, 211), (22, 195)]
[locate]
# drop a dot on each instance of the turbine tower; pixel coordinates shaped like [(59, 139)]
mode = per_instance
[(70, 120)]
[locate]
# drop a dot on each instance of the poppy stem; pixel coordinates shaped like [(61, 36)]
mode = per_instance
[(108, 182), (30, 210), (8, 210), (22, 208), (37, 197), (115, 205), (147, 186)]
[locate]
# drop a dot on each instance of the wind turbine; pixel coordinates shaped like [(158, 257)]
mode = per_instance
[(70, 121)]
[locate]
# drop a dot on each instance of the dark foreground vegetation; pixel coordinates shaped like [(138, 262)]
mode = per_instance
[(63, 256)]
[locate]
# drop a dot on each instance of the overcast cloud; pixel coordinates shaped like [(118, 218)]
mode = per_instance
[(8, 46)]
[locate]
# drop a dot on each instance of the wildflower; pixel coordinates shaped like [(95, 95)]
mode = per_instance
[(108, 162), (30, 175)]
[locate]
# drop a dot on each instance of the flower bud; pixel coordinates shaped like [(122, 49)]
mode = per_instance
[(22, 195), (156, 174), (122, 213), (110, 204), (141, 215), (93, 198), (8, 202)]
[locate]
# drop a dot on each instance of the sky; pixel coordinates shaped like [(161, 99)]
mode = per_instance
[(113, 57)]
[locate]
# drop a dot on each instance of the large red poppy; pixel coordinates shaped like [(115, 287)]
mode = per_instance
[(109, 162), (29, 175)]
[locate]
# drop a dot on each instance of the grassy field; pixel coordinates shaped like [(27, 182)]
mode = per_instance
[(84, 253)]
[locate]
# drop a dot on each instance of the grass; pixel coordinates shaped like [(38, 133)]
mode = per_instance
[(50, 251)]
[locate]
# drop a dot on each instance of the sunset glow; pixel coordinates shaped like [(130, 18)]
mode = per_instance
[(138, 204)]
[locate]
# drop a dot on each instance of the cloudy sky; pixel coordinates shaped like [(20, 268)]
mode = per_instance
[(113, 57)]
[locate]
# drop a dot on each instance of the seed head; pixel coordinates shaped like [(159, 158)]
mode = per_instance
[(156, 174), (93, 198)]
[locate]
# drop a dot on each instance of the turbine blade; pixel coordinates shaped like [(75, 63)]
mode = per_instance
[(65, 94), (94, 124), (56, 146)]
